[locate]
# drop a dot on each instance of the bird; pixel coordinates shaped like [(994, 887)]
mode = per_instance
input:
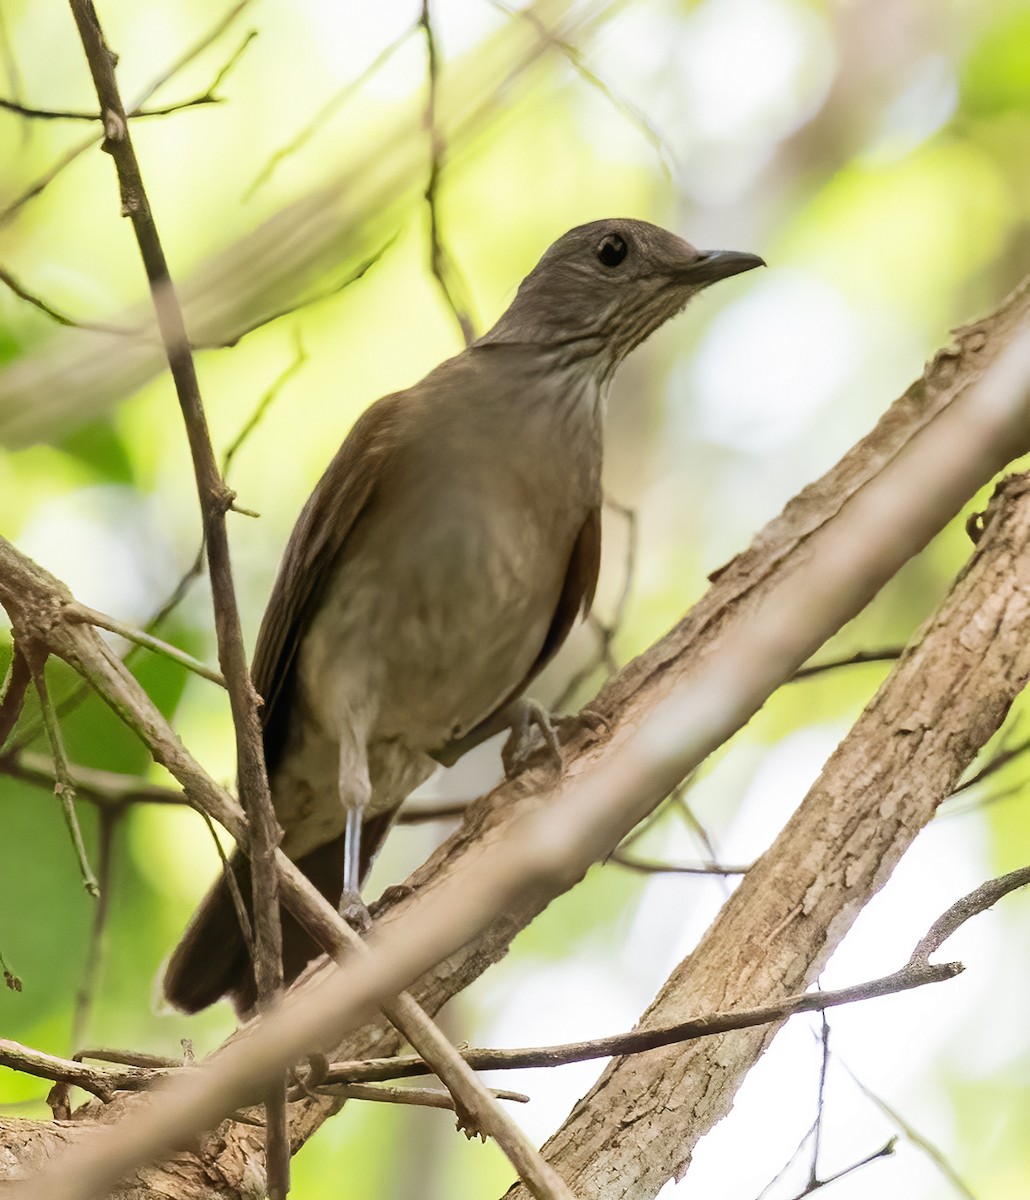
[(437, 567)]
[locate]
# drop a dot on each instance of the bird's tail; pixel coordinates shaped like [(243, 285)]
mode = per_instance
[(212, 959)]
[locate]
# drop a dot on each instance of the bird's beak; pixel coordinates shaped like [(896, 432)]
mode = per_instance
[(712, 265)]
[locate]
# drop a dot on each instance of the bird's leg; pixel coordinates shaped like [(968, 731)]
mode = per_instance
[(355, 793), (524, 715)]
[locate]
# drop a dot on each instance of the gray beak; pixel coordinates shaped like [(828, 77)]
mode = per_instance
[(712, 265)]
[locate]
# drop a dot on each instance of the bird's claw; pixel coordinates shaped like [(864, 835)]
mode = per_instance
[(531, 724), (354, 911)]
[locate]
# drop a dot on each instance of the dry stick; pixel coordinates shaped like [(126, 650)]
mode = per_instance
[(546, 848), (440, 262), (64, 789), (649, 867), (215, 500), (22, 292), (887, 654), (107, 790), (90, 616), (108, 823)]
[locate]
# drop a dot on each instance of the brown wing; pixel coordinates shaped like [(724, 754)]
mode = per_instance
[(316, 543), (577, 595)]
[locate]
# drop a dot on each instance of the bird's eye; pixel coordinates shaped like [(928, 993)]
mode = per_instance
[(612, 250)]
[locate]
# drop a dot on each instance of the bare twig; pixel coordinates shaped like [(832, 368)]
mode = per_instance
[(814, 1183), (108, 824), (421, 1097), (817, 1128), (55, 314), (649, 867), (978, 901), (887, 654), (422, 814), (996, 763), (90, 616), (300, 357), (651, 133), (327, 109), (64, 114), (332, 289), (64, 789), (913, 975), (108, 790), (440, 261)]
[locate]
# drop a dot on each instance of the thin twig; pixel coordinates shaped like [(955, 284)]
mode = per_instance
[(574, 56), (299, 359), (421, 1097), (440, 261), (648, 867), (911, 1134), (917, 972), (90, 616), (639, 1040), (333, 289), (887, 654), (813, 1185), (64, 789), (817, 1130), (327, 109), (108, 824), (107, 790), (422, 814), (997, 762), (23, 293)]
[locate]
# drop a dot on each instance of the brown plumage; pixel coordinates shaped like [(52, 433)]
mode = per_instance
[(437, 567)]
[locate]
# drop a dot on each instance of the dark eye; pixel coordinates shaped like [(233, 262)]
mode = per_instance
[(612, 250)]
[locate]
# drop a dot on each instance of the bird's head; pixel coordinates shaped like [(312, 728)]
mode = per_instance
[(602, 288)]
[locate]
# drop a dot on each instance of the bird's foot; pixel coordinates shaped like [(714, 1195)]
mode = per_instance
[(531, 727), (354, 911)]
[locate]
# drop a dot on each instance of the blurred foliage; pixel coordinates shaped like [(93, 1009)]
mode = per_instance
[(876, 153)]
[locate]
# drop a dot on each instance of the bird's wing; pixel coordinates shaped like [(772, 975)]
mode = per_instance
[(317, 541), (577, 595)]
